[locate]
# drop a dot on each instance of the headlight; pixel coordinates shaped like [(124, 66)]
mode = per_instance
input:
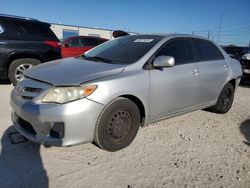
[(67, 94)]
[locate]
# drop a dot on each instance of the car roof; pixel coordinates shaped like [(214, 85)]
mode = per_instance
[(237, 47), (81, 36), (16, 17), (13, 18), (174, 35)]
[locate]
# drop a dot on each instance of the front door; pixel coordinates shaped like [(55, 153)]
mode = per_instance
[(174, 89)]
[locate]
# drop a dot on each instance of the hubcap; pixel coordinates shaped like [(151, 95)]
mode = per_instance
[(20, 69), (119, 125)]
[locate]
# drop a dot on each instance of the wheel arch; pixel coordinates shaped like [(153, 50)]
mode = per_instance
[(15, 56), (233, 82), (139, 104)]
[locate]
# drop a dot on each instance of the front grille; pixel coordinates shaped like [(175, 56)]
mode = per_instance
[(26, 125), (29, 89), (29, 98), (29, 93), (32, 89), (247, 63)]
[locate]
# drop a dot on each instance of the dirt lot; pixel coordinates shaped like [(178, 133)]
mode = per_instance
[(199, 149)]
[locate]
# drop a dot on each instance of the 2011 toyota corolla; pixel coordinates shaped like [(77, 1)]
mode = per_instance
[(105, 95)]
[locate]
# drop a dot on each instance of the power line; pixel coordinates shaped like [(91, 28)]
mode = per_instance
[(232, 25), (244, 25)]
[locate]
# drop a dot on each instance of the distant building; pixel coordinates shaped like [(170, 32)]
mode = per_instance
[(63, 31)]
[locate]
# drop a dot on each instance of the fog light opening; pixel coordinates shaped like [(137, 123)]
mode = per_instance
[(57, 130)]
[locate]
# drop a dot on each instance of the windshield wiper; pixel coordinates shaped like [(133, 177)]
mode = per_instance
[(97, 58), (106, 60)]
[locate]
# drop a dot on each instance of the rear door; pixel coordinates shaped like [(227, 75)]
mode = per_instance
[(174, 89), (213, 70)]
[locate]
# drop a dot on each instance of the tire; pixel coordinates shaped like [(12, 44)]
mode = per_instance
[(225, 100), (18, 66), (117, 125)]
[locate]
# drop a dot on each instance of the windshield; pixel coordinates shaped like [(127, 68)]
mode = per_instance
[(124, 50)]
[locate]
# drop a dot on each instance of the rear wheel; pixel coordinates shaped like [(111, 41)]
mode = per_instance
[(225, 100), (18, 66), (117, 125)]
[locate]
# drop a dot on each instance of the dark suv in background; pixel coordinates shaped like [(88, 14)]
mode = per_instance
[(243, 55), (25, 42)]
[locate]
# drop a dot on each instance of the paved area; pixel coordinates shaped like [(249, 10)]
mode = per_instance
[(199, 149)]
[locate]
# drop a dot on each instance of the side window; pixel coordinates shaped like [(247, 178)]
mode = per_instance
[(207, 51), (90, 42), (180, 49), (33, 30), (74, 43), (3, 31)]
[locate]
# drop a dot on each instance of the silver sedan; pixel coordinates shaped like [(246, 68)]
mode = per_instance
[(105, 95)]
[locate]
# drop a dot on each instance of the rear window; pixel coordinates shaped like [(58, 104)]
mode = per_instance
[(32, 30), (90, 42), (207, 51)]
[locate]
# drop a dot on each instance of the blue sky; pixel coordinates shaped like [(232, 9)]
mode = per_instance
[(181, 16)]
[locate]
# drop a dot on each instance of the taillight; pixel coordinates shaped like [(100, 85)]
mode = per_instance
[(53, 44)]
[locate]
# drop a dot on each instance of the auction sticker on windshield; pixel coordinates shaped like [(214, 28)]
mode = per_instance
[(143, 40)]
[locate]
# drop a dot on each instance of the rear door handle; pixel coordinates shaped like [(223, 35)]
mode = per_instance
[(225, 67), (196, 72)]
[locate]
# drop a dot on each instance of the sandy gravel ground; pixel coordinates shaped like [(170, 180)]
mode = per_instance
[(199, 149)]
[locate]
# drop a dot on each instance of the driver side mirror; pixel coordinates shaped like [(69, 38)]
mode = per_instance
[(164, 61)]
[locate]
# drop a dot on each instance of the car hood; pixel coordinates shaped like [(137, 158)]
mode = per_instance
[(72, 71)]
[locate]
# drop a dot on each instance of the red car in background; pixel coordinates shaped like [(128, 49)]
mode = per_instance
[(77, 45)]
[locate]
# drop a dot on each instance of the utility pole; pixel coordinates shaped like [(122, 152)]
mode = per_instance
[(208, 34), (219, 30), (192, 32)]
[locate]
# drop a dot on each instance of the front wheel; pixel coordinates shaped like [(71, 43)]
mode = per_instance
[(18, 66), (225, 100), (117, 125)]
